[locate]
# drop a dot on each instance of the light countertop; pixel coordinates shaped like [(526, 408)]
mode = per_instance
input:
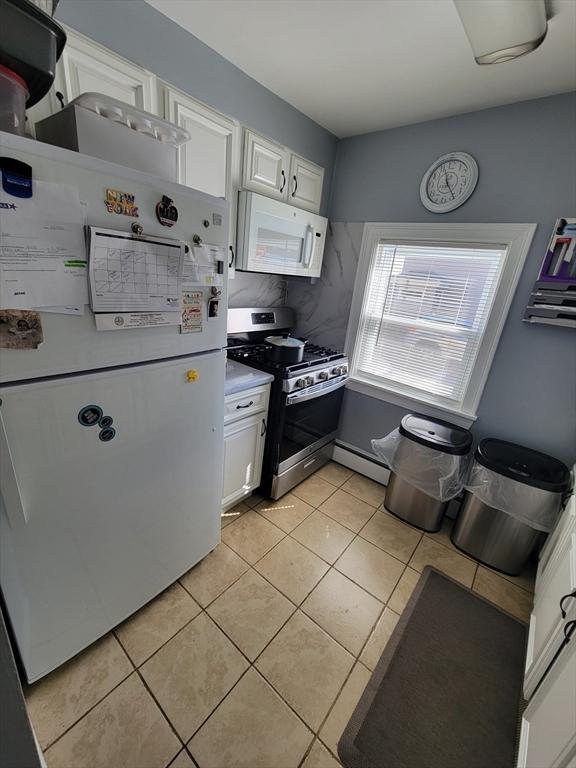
[(241, 377)]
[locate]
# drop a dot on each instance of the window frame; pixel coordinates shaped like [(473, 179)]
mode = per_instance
[(516, 237)]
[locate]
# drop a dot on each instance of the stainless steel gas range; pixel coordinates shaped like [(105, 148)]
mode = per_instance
[(305, 398)]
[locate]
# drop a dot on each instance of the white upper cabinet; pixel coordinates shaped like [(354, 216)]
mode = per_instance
[(86, 66), (305, 184), (266, 166), (209, 161), (275, 171)]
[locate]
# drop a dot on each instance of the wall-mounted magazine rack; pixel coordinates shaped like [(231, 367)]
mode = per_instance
[(553, 299)]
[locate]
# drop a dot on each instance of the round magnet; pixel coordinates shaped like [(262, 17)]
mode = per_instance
[(90, 415), (107, 434), (106, 421), (166, 212)]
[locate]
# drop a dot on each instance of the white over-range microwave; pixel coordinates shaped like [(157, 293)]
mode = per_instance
[(277, 238)]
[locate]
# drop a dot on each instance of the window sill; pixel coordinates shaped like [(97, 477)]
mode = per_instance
[(411, 403)]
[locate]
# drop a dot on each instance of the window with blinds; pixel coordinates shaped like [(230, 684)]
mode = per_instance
[(425, 310)]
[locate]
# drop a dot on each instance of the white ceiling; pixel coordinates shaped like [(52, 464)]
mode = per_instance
[(356, 66)]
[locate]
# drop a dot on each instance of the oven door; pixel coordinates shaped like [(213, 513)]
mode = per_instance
[(310, 421)]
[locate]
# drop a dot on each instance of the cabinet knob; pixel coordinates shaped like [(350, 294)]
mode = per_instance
[(283, 181), (295, 186)]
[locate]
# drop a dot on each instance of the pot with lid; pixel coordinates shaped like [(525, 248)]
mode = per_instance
[(285, 349)]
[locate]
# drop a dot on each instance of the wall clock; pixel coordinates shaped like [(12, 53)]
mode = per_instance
[(449, 182)]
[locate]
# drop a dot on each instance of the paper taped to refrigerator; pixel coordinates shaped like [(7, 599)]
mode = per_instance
[(134, 274), (42, 249), (201, 265), (117, 321)]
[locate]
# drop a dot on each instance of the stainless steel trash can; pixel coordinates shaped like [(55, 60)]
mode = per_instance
[(412, 505), (403, 498), (527, 486)]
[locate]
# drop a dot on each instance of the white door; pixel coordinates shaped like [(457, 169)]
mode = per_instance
[(305, 187), (554, 605), (210, 161), (88, 67), (243, 450), (95, 524), (548, 736), (266, 166)]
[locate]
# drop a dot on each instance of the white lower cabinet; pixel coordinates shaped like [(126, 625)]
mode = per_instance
[(245, 422), (548, 735), (554, 600)]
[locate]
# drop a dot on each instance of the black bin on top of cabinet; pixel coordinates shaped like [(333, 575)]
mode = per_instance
[(428, 450), (513, 498)]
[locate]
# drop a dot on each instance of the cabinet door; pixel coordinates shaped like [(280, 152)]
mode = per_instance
[(546, 622), (305, 186), (243, 449), (266, 166), (86, 67), (548, 735), (210, 161)]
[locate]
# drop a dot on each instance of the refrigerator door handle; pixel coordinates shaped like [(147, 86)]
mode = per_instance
[(9, 484)]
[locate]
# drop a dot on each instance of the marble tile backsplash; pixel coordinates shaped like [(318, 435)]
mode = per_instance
[(251, 289), (322, 308)]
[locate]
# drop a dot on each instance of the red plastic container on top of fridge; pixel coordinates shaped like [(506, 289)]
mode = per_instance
[(13, 96)]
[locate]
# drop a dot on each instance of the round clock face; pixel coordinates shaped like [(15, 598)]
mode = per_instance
[(449, 182)]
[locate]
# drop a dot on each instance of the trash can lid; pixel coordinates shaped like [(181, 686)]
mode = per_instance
[(523, 465), (437, 434)]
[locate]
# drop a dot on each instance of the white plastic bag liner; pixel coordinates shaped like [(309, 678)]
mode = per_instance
[(440, 475), (534, 507)]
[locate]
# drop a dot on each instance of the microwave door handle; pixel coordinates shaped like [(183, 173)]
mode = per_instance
[(308, 245)]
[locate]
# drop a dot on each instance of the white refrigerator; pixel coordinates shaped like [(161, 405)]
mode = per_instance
[(92, 528)]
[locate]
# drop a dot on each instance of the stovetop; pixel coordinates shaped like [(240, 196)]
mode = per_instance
[(256, 355)]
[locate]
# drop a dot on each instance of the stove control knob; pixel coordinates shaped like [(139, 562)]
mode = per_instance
[(308, 381), (299, 383), (336, 371), (323, 375), (343, 369)]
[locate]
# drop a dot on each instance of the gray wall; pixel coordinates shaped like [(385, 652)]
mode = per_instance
[(527, 158), (143, 35)]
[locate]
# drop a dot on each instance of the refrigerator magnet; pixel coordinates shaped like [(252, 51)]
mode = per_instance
[(122, 203), (20, 329)]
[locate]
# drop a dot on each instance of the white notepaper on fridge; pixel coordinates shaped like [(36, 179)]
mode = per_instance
[(134, 274), (42, 249), (201, 265)]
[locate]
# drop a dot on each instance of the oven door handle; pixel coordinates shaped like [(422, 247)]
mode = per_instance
[(303, 396)]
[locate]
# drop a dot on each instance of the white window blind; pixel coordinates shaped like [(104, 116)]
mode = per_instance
[(426, 307)]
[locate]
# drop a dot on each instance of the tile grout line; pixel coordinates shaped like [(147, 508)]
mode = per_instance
[(69, 728), (298, 607), (204, 609)]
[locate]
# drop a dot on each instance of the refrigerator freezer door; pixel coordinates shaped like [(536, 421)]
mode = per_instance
[(72, 343), (112, 513)]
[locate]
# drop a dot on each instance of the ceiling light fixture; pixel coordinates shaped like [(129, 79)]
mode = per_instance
[(500, 30)]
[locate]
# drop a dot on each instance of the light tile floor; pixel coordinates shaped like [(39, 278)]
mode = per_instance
[(257, 657)]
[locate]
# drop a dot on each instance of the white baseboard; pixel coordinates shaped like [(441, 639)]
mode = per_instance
[(363, 465)]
